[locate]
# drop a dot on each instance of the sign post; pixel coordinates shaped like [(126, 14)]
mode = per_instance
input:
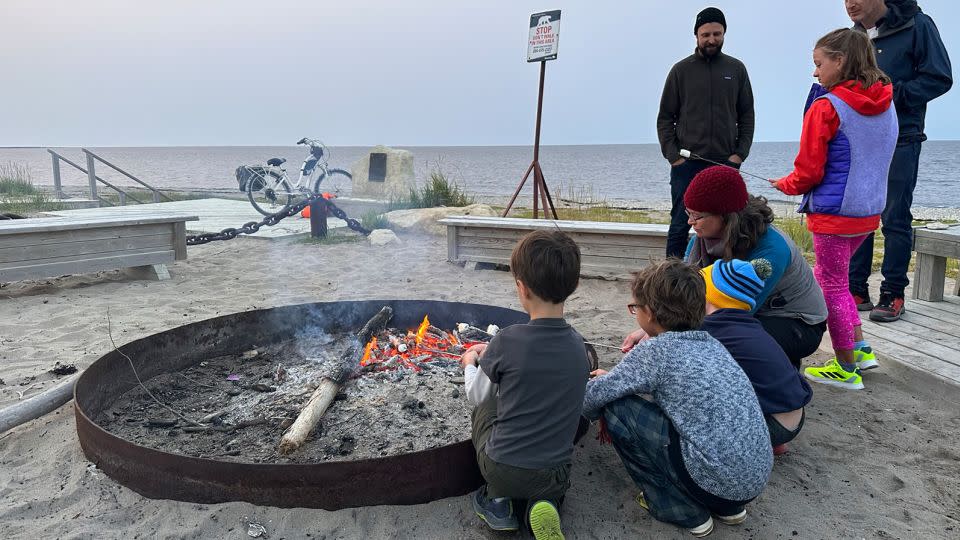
[(542, 45)]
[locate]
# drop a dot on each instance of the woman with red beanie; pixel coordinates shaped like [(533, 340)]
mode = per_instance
[(848, 138), (731, 224)]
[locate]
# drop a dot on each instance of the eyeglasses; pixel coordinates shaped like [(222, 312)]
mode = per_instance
[(632, 308), (695, 217)]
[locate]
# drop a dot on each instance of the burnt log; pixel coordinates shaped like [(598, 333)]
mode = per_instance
[(330, 384)]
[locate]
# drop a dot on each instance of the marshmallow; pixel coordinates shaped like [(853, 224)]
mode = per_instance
[(684, 153)]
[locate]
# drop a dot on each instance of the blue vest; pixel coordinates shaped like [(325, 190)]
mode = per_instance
[(858, 161)]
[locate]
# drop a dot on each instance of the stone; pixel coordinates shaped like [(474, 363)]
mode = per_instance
[(382, 237), (383, 174), (425, 219)]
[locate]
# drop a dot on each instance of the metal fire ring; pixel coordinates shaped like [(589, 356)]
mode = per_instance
[(411, 478)]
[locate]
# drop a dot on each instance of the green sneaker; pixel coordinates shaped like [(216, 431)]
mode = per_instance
[(866, 359), (545, 521), (831, 373)]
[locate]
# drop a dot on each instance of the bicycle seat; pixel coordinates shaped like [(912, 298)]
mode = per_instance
[(276, 162)]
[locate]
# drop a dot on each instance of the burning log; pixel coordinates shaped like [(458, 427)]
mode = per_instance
[(330, 384)]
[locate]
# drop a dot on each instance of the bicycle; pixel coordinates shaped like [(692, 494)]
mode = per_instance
[(270, 190)]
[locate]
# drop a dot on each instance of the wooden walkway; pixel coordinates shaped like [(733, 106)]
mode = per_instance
[(927, 337)]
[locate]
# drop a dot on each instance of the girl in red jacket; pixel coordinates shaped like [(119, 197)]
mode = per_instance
[(849, 134)]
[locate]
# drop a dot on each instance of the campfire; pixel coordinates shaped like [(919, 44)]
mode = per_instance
[(425, 348), (319, 397)]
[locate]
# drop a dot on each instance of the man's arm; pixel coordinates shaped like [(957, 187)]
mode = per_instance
[(745, 117), (933, 75), (668, 116)]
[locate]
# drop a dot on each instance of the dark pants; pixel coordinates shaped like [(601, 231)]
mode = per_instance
[(797, 338), (897, 221), (779, 434), (679, 231), (648, 445), (515, 482)]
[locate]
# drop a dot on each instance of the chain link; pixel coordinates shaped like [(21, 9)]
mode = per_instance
[(254, 226)]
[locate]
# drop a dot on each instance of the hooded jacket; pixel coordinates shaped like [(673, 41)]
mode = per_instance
[(844, 157), (910, 51)]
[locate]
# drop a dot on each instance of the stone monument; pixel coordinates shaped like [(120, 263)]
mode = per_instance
[(384, 173)]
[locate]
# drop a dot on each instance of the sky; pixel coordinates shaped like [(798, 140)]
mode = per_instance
[(416, 73)]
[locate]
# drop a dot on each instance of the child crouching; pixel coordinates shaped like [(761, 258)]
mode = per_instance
[(528, 392), (732, 289), (701, 445)]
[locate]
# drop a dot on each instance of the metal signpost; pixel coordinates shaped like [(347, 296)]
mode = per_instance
[(541, 46)]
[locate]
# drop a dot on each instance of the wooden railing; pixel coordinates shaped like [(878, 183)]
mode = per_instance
[(93, 179)]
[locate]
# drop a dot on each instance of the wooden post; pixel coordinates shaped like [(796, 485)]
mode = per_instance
[(92, 178), (57, 186)]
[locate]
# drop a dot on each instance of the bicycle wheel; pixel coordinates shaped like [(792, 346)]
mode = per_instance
[(336, 181), (267, 200)]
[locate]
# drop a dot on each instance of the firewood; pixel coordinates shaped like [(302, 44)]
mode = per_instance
[(330, 384)]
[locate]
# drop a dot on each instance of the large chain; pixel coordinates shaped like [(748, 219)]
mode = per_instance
[(254, 226)]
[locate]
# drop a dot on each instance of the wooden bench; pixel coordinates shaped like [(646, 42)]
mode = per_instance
[(933, 248), (606, 248), (47, 247)]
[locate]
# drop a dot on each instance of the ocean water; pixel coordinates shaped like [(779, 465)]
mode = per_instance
[(614, 173)]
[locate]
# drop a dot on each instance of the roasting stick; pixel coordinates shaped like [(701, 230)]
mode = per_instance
[(686, 154), (330, 384), (602, 345)]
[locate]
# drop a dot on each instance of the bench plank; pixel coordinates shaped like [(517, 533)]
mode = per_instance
[(933, 247), (606, 248), (46, 247)]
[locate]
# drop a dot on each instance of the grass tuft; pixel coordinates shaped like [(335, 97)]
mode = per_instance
[(15, 180)]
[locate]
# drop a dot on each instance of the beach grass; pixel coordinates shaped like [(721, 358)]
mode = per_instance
[(15, 180), (439, 190)]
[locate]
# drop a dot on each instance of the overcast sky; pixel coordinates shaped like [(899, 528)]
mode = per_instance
[(364, 72)]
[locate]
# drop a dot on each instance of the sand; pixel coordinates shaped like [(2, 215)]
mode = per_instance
[(880, 463)]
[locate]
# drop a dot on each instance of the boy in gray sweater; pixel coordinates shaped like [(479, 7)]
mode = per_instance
[(701, 445)]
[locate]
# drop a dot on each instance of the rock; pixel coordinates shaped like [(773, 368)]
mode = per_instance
[(425, 219), (234, 391), (455, 393), (382, 237), (938, 226), (390, 177), (456, 380)]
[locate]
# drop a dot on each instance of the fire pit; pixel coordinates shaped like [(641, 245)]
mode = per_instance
[(403, 478)]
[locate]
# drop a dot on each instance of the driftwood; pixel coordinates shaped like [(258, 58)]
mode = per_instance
[(330, 384), (37, 406)]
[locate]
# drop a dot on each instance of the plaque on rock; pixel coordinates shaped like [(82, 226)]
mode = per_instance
[(378, 167)]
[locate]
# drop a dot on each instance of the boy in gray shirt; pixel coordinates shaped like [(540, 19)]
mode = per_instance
[(529, 391), (701, 446)]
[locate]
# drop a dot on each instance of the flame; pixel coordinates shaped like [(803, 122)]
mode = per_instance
[(422, 329), (366, 351)]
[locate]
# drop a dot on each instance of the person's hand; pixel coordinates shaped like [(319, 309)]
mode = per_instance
[(775, 184), (735, 159), (632, 339), (598, 372), (471, 355), (678, 162)]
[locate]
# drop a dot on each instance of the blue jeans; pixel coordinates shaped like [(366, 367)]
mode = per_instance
[(897, 228), (648, 445), (678, 235)]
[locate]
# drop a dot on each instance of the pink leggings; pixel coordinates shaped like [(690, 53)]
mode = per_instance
[(832, 272)]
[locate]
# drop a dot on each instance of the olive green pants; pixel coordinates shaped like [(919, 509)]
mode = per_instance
[(515, 482)]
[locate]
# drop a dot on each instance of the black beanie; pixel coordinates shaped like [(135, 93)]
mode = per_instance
[(710, 15)]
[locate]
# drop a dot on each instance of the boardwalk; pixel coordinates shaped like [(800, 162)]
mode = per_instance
[(927, 337)]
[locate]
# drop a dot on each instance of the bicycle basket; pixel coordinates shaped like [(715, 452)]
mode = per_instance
[(247, 174)]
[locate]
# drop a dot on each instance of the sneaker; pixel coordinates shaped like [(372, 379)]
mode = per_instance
[(497, 513), (888, 309), (779, 450), (699, 531), (862, 301), (545, 521), (739, 517), (865, 358), (831, 373)]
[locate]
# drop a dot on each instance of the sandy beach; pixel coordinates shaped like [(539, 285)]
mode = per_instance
[(880, 463)]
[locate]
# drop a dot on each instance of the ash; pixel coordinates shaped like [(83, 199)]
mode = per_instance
[(243, 404)]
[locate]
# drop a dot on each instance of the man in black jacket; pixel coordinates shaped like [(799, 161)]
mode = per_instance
[(706, 108), (910, 51)]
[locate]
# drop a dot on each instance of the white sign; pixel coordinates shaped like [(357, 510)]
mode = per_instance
[(544, 36)]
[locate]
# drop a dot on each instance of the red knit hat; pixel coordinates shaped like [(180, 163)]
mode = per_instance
[(716, 190)]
